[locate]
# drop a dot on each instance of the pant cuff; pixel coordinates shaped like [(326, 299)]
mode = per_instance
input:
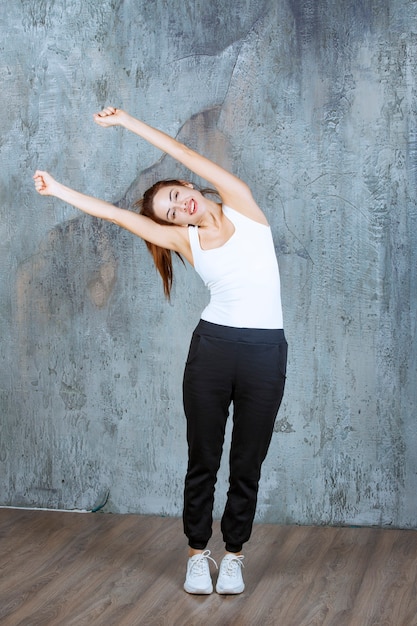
[(233, 547), (197, 545)]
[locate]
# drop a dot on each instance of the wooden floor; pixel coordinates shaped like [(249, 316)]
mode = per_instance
[(73, 569)]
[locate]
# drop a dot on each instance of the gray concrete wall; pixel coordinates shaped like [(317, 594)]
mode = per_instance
[(314, 105)]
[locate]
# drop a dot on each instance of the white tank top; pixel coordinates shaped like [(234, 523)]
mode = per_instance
[(242, 276)]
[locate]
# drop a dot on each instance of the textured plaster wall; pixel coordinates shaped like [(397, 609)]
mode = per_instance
[(313, 103)]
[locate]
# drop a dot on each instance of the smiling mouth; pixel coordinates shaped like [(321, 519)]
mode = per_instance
[(192, 207)]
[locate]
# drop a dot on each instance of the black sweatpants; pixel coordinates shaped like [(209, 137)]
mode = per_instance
[(247, 367)]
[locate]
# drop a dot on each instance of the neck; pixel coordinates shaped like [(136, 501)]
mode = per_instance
[(212, 217)]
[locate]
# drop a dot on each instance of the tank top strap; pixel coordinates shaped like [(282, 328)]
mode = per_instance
[(194, 239)]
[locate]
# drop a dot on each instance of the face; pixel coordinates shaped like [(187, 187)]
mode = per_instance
[(180, 205)]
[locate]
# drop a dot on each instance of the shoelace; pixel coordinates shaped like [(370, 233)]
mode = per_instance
[(232, 565), (198, 566)]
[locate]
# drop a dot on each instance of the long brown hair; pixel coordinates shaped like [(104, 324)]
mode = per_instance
[(162, 257)]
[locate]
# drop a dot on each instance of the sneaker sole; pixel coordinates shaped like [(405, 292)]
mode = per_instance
[(198, 592), (230, 592)]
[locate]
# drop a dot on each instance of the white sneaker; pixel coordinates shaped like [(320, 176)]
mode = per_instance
[(198, 579), (230, 575)]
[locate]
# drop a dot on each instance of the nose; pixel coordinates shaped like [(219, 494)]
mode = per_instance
[(181, 206)]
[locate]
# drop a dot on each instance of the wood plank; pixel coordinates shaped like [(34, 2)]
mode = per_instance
[(71, 569)]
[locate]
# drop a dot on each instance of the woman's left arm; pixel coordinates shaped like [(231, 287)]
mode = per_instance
[(233, 191)]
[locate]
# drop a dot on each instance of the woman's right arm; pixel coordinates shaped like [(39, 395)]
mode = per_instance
[(170, 237)]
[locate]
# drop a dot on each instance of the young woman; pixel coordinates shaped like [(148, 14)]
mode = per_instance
[(238, 350)]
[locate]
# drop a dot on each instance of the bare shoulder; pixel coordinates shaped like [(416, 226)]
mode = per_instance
[(181, 242), (240, 199)]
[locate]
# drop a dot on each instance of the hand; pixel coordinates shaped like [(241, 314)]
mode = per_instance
[(109, 117), (44, 183)]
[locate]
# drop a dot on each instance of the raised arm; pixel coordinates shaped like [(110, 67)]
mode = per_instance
[(233, 191), (170, 237)]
